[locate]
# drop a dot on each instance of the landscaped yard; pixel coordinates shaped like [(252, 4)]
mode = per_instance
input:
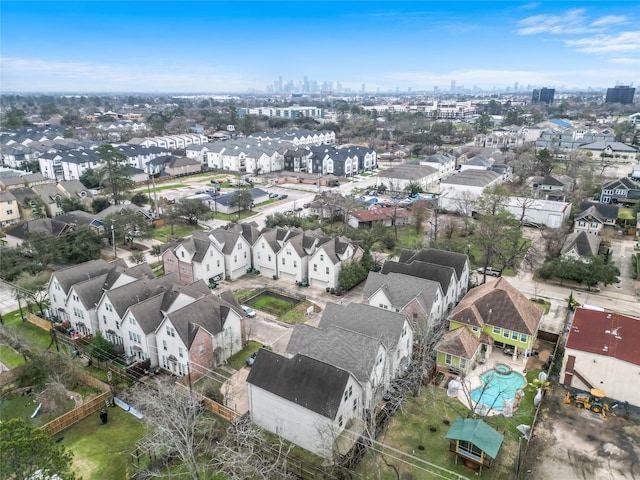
[(23, 406), (103, 451), (180, 230), (36, 336), (274, 305), (239, 359), (418, 430), (10, 358)]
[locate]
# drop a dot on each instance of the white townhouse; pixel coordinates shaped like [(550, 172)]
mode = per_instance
[(196, 258), (328, 259), (298, 137), (74, 291), (418, 299), (266, 248), (393, 329), (200, 336), (365, 357), (247, 155), (444, 163), (322, 417), (141, 319), (235, 249), (293, 257)]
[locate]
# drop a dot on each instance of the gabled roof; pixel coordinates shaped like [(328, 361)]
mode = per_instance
[(305, 381), (621, 183), (429, 271), (401, 289), (378, 214), (209, 312), (500, 305), (67, 277), (123, 297), (475, 431), (440, 257), (601, 211), (49, 226), (351, 351), (605, 333), (583, 244), (459, 342), (366, 320), (615, 146)]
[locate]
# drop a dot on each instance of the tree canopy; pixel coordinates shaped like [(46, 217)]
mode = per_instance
[(114, 173), (27, 452)]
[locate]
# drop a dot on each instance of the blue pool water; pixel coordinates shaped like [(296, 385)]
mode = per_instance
[(498, 387)]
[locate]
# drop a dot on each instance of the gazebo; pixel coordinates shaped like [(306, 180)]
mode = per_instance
[(474, 441)]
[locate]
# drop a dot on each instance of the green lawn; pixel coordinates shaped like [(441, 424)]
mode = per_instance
[(238, 360), (10, 358), (103, 451), (410, 431), (298, 314), (23, 406), (180, 230), (273, 305), (542, 303), (35, 336)]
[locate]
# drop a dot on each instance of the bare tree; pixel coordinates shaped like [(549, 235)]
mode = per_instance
[(179, 427), (418, 210)]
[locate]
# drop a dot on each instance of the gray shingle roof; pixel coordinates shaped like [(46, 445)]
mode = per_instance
[(401, 289), (366, 320), (429, 271), (440, 257), (313, 384), (67, 277), (584, 243), (472, 178), (351, 351)]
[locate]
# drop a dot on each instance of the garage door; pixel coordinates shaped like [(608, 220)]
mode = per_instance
[(290, 277), (554, 221)]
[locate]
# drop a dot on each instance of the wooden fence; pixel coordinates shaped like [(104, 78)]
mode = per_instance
[(65, 421), (214, 407), (38, 322)]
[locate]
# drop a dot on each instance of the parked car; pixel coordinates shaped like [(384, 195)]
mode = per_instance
[(490, 271), (306, 205), (273, 195), (283, 196), (252, 359), (248, 311), (288, 212), (298, 209)]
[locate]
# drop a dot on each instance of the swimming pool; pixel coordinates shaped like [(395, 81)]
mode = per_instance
[(498, 385)]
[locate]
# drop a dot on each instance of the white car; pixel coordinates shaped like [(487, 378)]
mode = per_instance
[(248, 311)]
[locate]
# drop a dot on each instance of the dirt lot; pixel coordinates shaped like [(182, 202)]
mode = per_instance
[(569, 443)]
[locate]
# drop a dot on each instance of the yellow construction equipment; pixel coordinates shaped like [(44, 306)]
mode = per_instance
[(594, 401)]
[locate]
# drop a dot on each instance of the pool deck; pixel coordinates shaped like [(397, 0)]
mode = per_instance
[(474, 380)]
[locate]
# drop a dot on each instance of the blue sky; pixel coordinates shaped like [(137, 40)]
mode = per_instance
[(233, 46)]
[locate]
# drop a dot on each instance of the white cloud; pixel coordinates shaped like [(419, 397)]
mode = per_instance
[(626, 60), (572, 21), (619, 43), (37, 74), (609, 20)]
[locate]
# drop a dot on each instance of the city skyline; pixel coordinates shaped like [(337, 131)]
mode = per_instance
[(237, 47)]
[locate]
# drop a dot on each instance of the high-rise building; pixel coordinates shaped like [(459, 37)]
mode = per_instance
[(620, 94), (453, 85), (543, 95)]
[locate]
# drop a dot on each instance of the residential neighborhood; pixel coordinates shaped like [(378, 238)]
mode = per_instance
[(344, 285)]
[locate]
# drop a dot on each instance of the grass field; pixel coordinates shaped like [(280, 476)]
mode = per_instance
[(23, 406), (273, 305), (103, 451), (10, 358), (163, 233), (411, 431), (238, 360), (36, 336)]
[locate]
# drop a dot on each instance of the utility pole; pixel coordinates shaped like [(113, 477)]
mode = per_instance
[(113, 239)]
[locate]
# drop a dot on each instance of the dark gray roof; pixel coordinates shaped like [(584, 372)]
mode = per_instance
[(50, 226), (69, 276), (440, 257), (366, 320), (351, 351), (475, 178), (77, 217), (209, 312), (584, 244), (600, 211), (429, 271), (315, 385), (135, 292), (401, 289)]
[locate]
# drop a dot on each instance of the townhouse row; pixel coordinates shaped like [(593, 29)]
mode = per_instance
[(181, 328)]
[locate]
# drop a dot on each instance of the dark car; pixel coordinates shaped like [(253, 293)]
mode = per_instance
[(306, 205), (252, 359), (283, 196), (298, 209)]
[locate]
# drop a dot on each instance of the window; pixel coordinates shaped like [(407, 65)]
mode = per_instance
[(180, 352), (288, 251), (164, 344), (475, 329), (235, 259), (218, 263), (132, 321), (108, 307), (182, 254), (201, 349), (355, 403), (117, 325), (497, 330), (283, 260), (321, 258), (514, 335), (523, 337), (505, 333), (269, 258), (208, 267), (104, 319), (463, 363), (170, 331), (315, 267), (131, 336), (9, 212), (340, 421), (447, 359), (295, 264)]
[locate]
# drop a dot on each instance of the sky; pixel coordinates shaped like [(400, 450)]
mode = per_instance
[(236, 46)]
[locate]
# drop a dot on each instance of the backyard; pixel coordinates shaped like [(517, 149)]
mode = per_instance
[(103, 451), (415, 438)]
